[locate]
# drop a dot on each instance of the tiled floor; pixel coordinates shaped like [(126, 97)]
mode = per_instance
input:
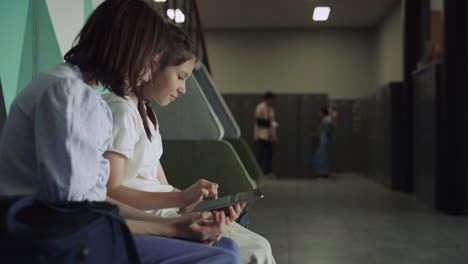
[(350, 219)]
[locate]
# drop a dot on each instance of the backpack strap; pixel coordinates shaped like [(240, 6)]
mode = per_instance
[(13, 225)]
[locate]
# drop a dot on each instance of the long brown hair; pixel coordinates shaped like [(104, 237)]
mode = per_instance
[(120, 39), (179, 50)]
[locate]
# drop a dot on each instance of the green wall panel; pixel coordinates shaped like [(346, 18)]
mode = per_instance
[(48, 50), (26, 66), (17, 29), (88, 8), (13, 18)]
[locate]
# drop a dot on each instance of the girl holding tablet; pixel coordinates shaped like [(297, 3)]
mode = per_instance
[(137, 177)]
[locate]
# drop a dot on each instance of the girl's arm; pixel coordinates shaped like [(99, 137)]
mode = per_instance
[(191, 226), (152, 200), (231, 212)]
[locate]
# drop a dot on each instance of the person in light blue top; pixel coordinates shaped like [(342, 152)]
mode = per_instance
[(54, 138), (59, 127), (321, 155)]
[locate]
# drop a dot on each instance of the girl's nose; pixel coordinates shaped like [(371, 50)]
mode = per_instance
[(181, 90)]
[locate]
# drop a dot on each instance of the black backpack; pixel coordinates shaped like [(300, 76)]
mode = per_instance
[(34, 230)]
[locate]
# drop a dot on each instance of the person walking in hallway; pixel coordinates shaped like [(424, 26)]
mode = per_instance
[(265, 137), (324, 137)]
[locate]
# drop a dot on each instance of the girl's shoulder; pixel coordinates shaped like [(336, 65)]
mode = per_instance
[(119, 103), (121, 107)]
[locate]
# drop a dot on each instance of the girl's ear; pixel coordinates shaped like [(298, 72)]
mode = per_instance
[(149, 70), (155, 64)]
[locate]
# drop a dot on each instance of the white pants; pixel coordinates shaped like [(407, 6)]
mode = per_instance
[(254, 249)]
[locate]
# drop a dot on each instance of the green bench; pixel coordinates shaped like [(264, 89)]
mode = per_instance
[(187, 161)]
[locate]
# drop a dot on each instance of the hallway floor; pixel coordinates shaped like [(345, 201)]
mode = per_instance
[(350, 219)]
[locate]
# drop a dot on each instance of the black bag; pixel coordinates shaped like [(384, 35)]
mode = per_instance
[(33, 230)]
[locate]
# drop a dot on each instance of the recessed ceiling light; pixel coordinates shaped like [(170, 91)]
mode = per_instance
[(160, 1), (321, 13), (176, 15)]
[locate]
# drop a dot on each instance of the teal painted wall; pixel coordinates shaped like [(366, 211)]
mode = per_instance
[(20, 21), (26, 64), (14, 19), (88, 8), (48, 50)]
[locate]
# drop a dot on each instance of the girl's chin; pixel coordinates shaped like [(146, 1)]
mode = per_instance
[(165, 103), (162, 102)]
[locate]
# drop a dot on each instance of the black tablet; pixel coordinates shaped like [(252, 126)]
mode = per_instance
[(228, 200)]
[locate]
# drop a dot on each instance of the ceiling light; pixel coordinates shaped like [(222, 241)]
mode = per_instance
[(321, 13), (176, 15), (160, 1)]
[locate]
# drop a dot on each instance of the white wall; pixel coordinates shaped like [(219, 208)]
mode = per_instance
[(344, 63), (67, 19), (389, 48), (96, 3), (337, 62)]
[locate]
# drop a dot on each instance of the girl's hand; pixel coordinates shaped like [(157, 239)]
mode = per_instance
[(232, 212), (189, 208), (204, 227), (198, 191)]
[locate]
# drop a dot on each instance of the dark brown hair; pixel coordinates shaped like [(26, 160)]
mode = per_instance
[(120, 39), (324, 110), (269, 95), (179, 50)]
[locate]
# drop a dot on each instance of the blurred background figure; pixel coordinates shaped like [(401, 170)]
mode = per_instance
[(265, 126), (322, 146)]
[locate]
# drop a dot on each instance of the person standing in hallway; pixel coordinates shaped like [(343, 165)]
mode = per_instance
[(265, 133), (324, 136)]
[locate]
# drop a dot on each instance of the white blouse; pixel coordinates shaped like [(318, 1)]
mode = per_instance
[(130, 140)]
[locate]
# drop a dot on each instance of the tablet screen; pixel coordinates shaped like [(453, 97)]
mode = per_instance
[(228, 200)]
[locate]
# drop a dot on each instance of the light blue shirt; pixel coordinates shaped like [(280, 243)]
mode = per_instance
[(53, 140)]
